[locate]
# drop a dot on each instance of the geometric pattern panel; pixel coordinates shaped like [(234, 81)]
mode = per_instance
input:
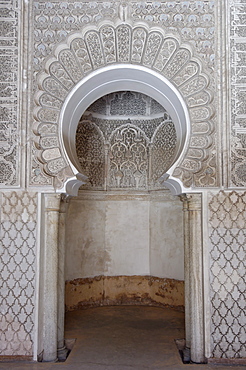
[(17, 272), (227, 237), (9, 93), (237, 79), (90, 48)]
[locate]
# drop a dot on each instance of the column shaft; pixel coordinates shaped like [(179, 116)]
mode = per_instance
[(51, 218), (187, 270), (196, 279), (62, 351)]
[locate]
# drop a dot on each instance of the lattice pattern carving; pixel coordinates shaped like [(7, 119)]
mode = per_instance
[(79, 55), (163, 149), (146, 125), (126, 103), (227, 233), (128, 158), (192, 20), (17, 271), (125, 153), (91, 153), (237, 161), (9, 94)]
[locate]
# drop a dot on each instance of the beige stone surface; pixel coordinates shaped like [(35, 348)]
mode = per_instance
[(117, 290)]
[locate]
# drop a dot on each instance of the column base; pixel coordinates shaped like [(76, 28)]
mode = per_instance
[(62, 354)]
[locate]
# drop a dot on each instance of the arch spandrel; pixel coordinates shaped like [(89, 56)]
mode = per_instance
[(104, 48)]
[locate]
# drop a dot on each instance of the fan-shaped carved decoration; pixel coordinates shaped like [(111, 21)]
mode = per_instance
[(94, 48)]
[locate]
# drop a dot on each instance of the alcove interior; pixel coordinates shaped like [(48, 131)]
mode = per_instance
[(124, 230)]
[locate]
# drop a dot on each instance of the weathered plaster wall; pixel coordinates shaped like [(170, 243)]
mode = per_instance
[(166, 236), (114, 234), (116, 290), (124, 234)]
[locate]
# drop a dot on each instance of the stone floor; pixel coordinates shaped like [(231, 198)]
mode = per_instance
[(122, 338)]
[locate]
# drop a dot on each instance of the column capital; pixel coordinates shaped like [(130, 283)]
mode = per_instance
[(184, 200), (52, 202), (194, 201)]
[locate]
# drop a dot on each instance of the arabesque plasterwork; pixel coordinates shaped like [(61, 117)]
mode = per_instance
[(123, 42), (237, 80), (125, 140), (9, 94)]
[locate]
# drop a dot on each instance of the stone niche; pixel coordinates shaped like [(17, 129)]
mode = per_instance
[(125, 230), (124, 248)]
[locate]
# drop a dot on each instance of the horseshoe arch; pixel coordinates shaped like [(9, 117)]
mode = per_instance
[(120, 57)]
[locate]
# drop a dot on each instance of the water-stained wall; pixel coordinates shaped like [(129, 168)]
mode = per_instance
[(123, 234)]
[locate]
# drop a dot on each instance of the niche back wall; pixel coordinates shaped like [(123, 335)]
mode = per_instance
[(133, 236)]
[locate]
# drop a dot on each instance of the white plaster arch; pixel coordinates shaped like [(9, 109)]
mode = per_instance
[(119, 78), (96, 61)]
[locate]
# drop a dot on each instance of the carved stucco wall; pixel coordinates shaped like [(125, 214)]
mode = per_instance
[(125, 140), (237, 80), (9, 93), (17, 272), (227, 238), (191, 23), (120, 39)]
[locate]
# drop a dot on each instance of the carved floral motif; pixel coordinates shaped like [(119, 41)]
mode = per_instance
[(128, 158), (90, 150), (237, 78), (133, 44), (125, 153), (9, 94)]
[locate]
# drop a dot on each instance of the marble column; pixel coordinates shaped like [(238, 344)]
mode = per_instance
[(61, 349), (196, 278), (186, 269), (50, 274)]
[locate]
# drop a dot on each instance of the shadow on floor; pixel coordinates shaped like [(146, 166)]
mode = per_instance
[(122, 338)]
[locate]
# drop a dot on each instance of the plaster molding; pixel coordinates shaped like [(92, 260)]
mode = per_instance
[(52, 202), (194, 202), (75, 61)]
